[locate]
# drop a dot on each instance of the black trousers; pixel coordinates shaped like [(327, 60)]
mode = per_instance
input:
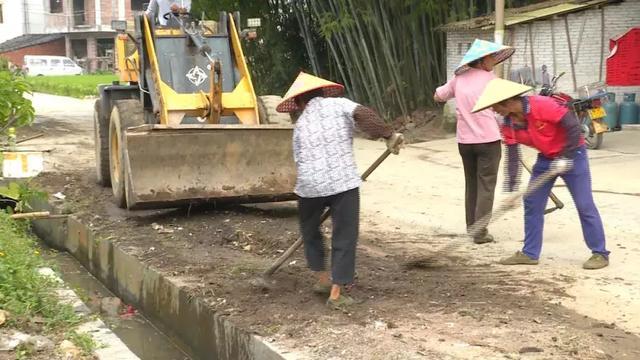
[(480, 162), (345, 213)]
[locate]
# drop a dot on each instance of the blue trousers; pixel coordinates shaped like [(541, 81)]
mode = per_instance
[(578, 180)]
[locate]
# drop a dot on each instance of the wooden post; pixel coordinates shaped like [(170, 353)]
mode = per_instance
[(601, 42), (498, 33), (533, 61), (573, 68), (553, 47), (584, 23)]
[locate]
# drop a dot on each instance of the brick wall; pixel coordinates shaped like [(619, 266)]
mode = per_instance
[(127, 8), (90, 12), (618, 18), (91, 54), (56, 47), (109, 10)]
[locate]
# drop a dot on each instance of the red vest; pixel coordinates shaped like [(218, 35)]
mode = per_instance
[(543, 130)]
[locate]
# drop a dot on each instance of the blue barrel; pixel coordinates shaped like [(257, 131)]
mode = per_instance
[(629, 109), (611, 108)]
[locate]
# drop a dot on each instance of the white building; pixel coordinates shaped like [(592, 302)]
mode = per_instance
[(85, 25)]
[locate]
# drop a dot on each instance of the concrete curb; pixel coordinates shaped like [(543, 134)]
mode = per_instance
[(196, 328)]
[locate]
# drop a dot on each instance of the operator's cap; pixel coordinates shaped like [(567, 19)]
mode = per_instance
[(498, 90), (480, 49), (305, 83)]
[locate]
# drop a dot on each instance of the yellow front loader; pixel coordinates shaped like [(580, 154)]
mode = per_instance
[(183, 124)]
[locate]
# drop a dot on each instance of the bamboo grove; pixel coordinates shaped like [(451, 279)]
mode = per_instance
[(388, 53)]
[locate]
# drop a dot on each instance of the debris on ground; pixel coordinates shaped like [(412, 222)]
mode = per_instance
[(128, 312), (4, 315), (39, 343), (161, 229), (110, 306), (530, 349), (420, 126), (69, 350), (11, 339)]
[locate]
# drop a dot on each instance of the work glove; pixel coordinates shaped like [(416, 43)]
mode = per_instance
[(395, 142), (561, 165)]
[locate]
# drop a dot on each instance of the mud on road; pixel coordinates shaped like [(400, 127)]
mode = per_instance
[(448, 307), (442, 308)]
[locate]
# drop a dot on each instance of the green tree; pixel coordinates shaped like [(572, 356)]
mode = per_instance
[(389, 54), (278, 53), (15, 109)]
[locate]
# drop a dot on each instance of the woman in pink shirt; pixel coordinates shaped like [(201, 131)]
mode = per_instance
[(478, 134)]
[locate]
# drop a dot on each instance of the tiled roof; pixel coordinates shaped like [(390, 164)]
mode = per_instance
[(514, 16), (27, 40)]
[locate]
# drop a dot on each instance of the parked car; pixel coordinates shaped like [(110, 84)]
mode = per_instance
[(38, 65)]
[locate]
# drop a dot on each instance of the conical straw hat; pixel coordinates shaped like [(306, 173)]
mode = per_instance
[(482, 48), (304, 83), (498, 90)]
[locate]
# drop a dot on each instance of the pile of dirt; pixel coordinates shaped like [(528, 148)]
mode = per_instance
[(408, 308), (422, 125)]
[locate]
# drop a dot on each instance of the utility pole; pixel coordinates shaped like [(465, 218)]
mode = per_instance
[(25, 18), (498, 34)]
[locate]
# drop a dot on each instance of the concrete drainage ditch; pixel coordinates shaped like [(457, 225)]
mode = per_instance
[(194, 327)]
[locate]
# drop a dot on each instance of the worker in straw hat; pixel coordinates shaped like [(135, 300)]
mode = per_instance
[(553, 130), (328, 176), (478, 134)]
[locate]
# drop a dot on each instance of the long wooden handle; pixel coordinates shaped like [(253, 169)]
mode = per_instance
[(287, 254), (476, 228), (558, 203), (37, 215)]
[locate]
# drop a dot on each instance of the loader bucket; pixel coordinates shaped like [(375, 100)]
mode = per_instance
[(201, 163)]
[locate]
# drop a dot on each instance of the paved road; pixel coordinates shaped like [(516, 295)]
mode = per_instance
[(418, 197), (421, 193)]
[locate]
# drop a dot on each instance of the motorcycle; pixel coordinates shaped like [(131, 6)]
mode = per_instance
[(588, 108)]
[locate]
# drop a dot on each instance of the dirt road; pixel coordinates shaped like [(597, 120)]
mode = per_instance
[(458, 305)]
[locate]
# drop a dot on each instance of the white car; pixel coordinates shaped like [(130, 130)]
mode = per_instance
[(38, 65)]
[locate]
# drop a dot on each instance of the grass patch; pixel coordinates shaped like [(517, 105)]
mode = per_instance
[(83, 341), (78, 86), (23, 292)]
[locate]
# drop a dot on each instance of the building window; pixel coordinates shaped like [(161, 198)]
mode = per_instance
[(139, 5), (79, 48), (104, 47), (55, 6)]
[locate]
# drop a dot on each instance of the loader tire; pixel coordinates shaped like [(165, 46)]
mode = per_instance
[(269, 104), (101, 144), (125, 114)]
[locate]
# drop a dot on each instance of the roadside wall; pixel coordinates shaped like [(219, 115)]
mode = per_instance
[(548, 38)]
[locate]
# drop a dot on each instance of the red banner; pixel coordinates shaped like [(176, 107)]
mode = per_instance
[(623, 62)]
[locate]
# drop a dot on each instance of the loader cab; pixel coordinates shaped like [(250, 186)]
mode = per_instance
[(181, 64)]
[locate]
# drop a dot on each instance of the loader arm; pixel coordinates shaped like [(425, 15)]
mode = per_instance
[(174, 106)]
